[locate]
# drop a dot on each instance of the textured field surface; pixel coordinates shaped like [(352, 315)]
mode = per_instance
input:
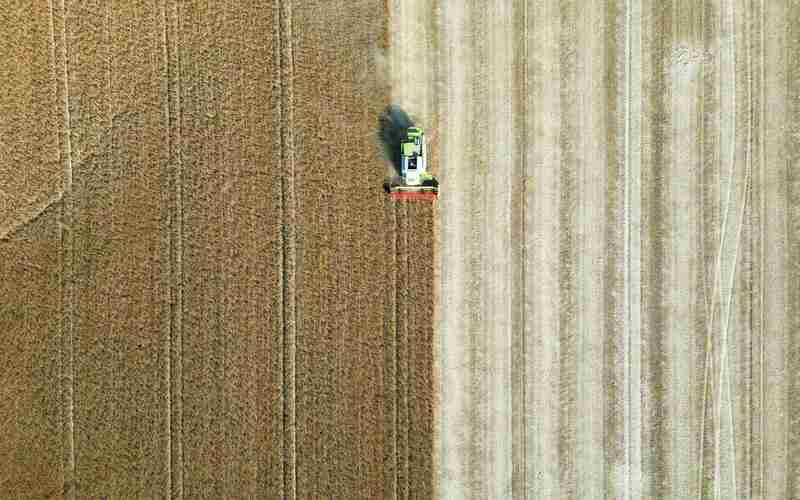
[(199, 301), (618, 260), (203, 291)]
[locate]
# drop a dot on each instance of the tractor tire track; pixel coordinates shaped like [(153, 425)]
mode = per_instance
[(289, 230)]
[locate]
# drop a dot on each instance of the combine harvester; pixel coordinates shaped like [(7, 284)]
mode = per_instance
[(415, 182)]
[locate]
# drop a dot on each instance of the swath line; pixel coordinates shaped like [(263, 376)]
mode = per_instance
[(761, 261), (168, 342), (633, 244), (518, 265), (175, 165), (288, 248)]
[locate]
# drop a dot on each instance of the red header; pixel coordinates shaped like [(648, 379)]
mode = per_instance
[(414, 196)]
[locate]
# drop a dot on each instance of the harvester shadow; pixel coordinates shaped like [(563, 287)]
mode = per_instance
[(392, 125)]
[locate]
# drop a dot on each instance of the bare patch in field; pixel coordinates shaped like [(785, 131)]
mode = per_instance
[(686, 60)]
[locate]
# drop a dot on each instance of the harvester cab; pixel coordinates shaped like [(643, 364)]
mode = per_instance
[(416, 183)]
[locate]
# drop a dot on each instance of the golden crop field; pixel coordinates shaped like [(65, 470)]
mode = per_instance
[(205, 291)]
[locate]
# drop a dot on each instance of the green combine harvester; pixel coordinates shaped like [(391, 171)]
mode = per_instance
[(415, 182)]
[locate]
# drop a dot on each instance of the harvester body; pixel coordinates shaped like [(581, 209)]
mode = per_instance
[(416, 183)]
